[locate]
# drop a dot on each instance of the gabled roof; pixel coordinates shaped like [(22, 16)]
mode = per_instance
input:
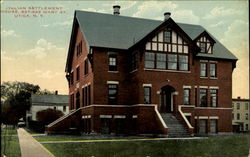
[(54, 100), (122, 32)]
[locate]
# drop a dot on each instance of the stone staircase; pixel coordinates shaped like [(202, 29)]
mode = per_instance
[(175, 128)]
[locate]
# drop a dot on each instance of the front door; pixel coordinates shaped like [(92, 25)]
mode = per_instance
[(167, 99)]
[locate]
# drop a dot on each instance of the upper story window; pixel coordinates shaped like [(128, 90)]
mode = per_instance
[(203, 97), (186, 96), (238, 116), (213, 72), (79, 49), (205, 42), (167, 35), (214, 97), (71, 77), (86, 67), (134, 61), (238, 106), (203, 69), (147, 95), (112, 63), (112, 94), (77, 73), (246, 106), (208, 69), (167, 41)]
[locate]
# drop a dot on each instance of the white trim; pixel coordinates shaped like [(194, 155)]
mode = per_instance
[(133, 71), (71, 71), (201, 117), (88, 83), (144, 105), (77, 66), (175, 93), (172, 102), (213, 78), (112, 82), (167, 70), (86, 117), (213, 61), (187, 106), (134, 116), (203, 60), (213, 117), (105, 116), (120, 116), (187, 87), (84, 59), (159, 116), (147, 85), (203, 87), (215, 108), (77, 85), (195, 86), (187, 114), (213, 87), (203, 77), (113, 72), (184, 117)]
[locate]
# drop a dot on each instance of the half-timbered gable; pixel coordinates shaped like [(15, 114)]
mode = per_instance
[(205, 43)]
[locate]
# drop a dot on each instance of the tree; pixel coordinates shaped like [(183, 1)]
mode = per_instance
[(49, 115), (16, 100)]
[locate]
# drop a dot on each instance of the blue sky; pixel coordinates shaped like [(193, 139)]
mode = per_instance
[(34, 49)]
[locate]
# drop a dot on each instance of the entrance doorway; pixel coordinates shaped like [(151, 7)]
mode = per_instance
[(166, 99)]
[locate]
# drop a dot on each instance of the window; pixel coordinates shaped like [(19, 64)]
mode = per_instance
[(186, 96), (134, 61), (183, 62), (238, 116), (72, 101), (167, 36), (147, 95), (213, 94), (54, 108), (246, 126), (149, 60), (233, 116), (105, 125), (213, 126), (71, 78), (64, 108), (77, 73), (238, 106), (89, 95), (112, 94), (203, 69), (213, 70), (203, 47), (203, 97), (161, 61), (246, 116), (203, 126), (86, 67), (172, 61), (246, 106), (79, 49), (112, 63), (83, 96)]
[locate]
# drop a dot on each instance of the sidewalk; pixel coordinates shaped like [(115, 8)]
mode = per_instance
[(30, 147)]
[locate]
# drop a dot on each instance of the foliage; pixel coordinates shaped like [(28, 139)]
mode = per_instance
[(49, 115), (15, 100)]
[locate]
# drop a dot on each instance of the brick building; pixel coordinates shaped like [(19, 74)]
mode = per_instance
[(139, 76)]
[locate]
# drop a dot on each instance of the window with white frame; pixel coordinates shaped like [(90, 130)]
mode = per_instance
[(214, 97), (186, 96)]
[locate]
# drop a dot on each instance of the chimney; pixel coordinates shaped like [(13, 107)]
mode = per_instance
[(56, 92), (238, 97), (116, 9), (167, 15)]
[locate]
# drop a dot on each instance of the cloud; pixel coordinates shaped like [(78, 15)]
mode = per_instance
[(96, 10), (42, 49), (7, 33), (47, 74), (5, 57), (216, 24), (124, 4), (152, 9), (63, 23), (185, 16), (221, 12)]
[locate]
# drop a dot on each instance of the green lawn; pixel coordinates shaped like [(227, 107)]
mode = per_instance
[(233, 146), (9, 142)]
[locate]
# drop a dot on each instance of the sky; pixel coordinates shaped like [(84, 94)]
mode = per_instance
[(35, 35)]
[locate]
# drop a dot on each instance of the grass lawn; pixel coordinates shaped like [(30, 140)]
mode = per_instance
[(10, 143), (232, 146)]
